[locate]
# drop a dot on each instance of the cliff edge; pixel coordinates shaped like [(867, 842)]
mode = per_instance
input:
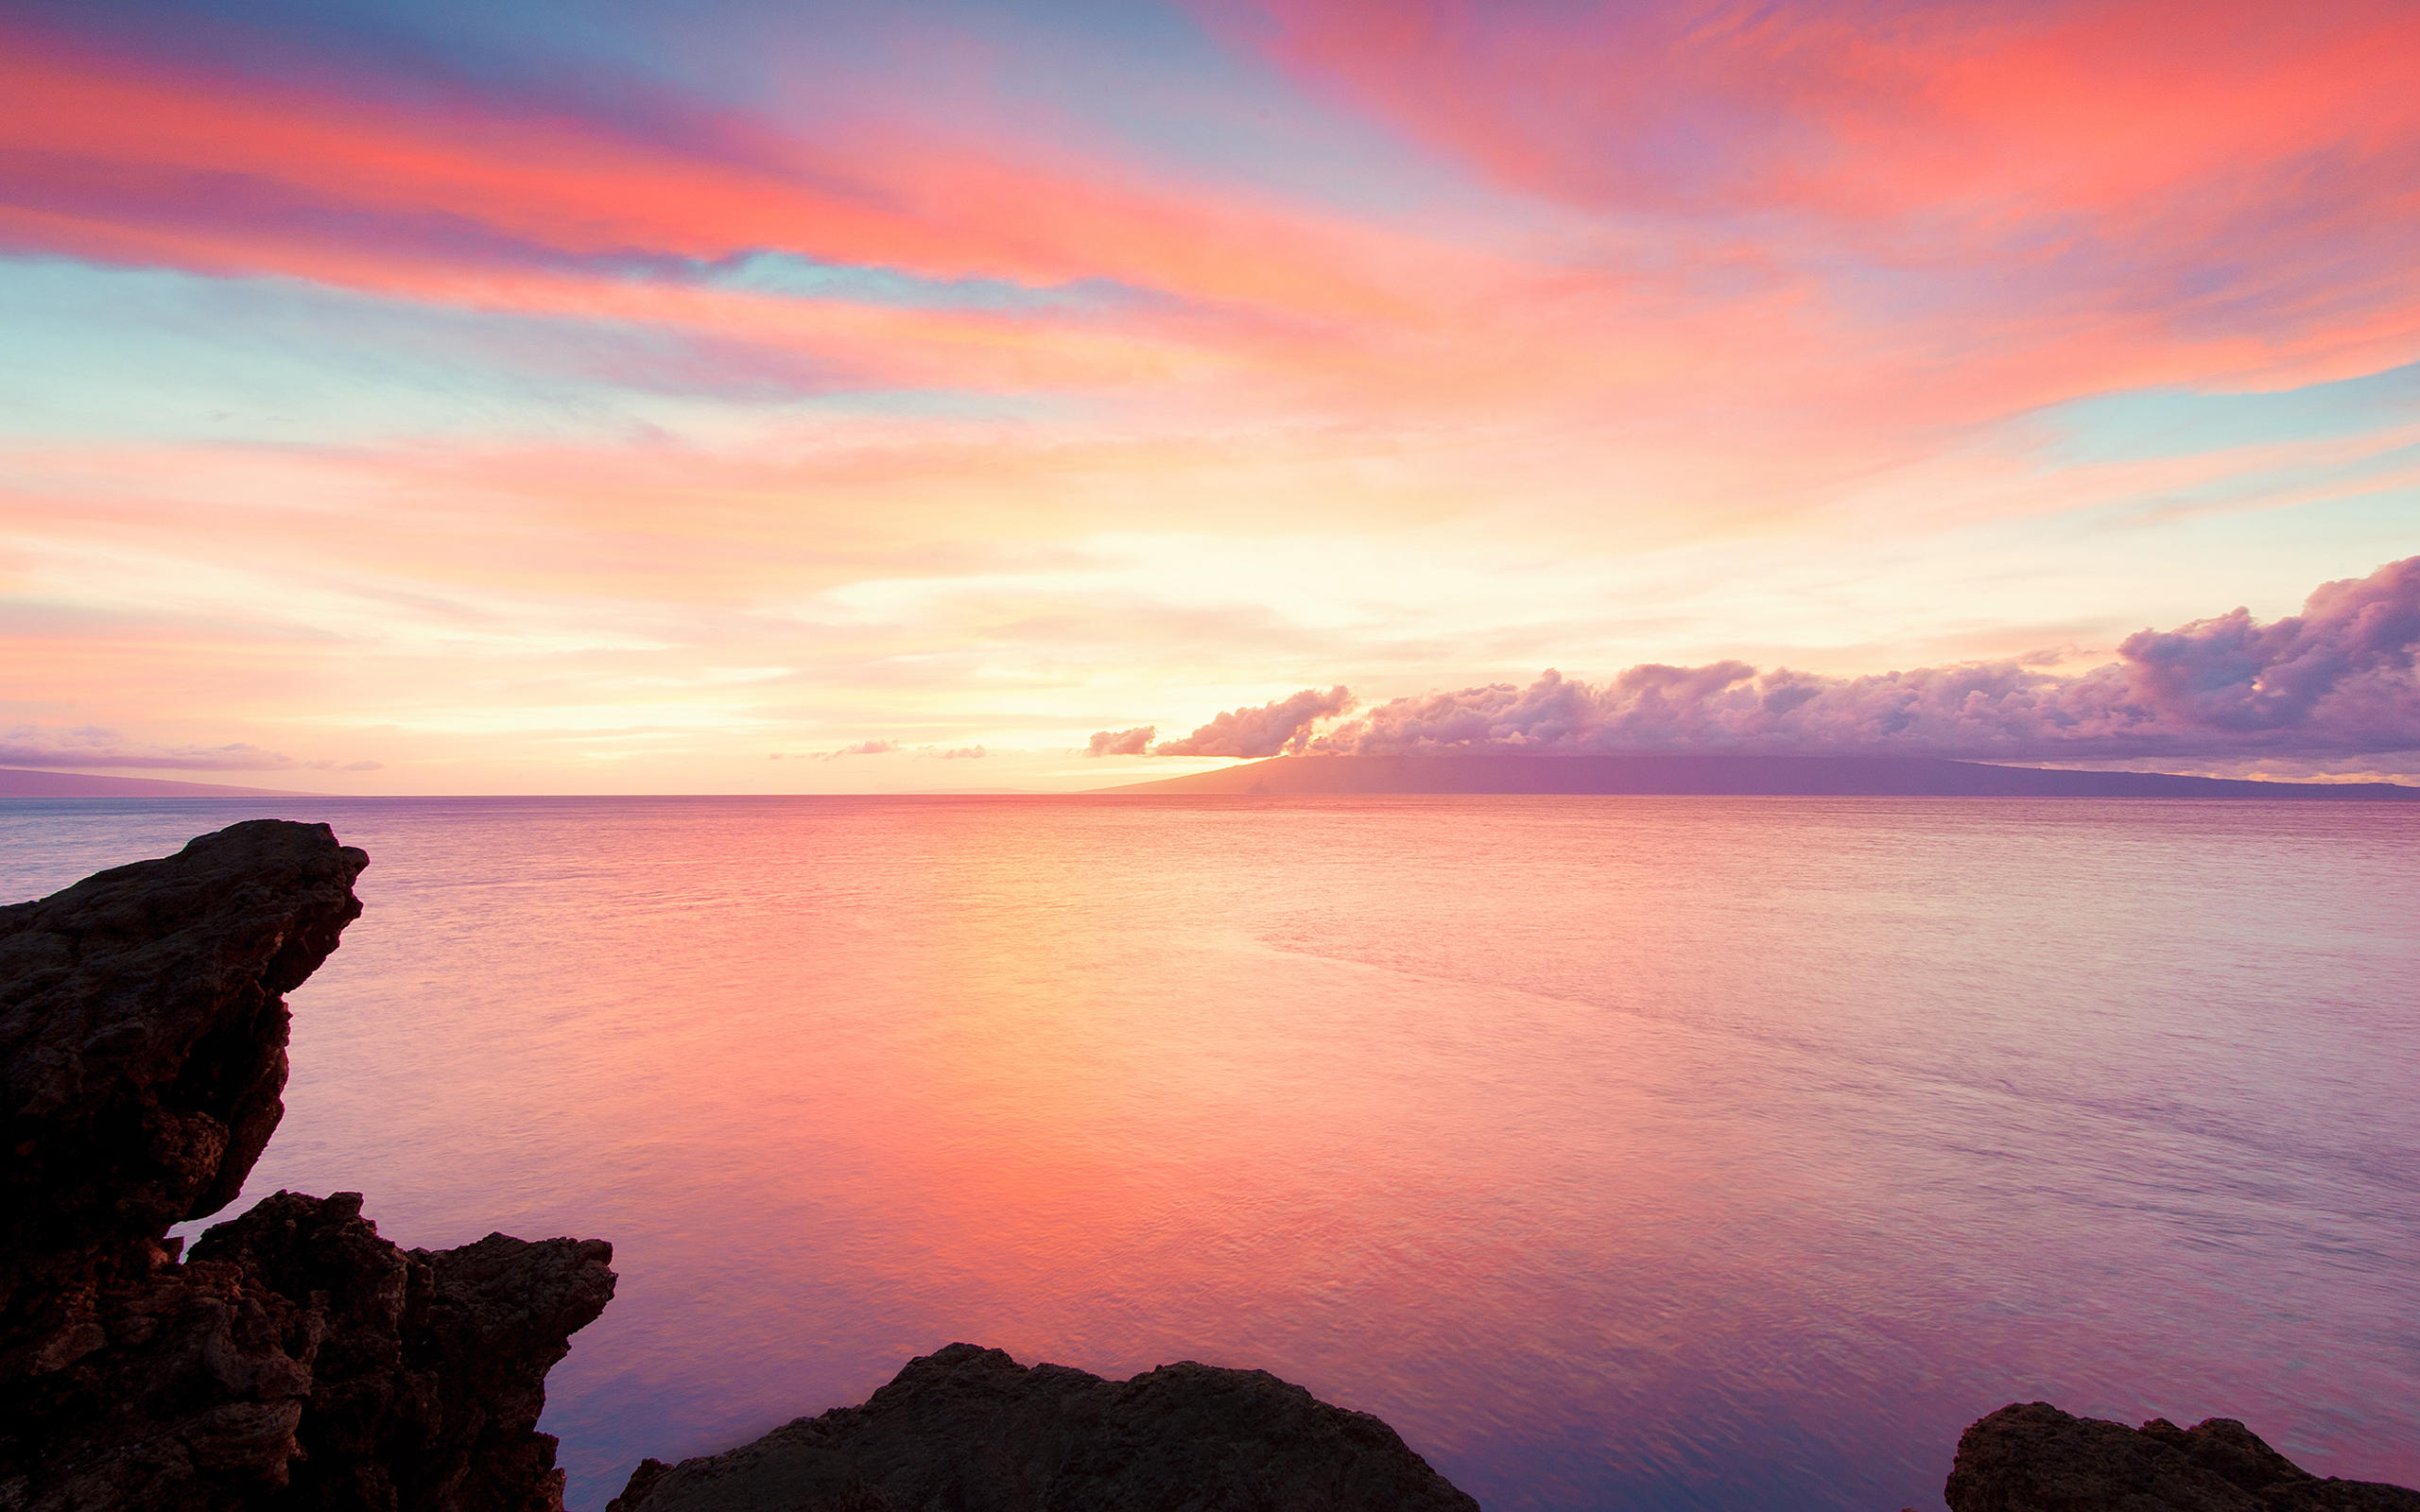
[(296, 1360)]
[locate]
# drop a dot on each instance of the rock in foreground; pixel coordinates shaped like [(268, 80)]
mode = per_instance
[(297, 1361), (971, 1430), (2035, 1458), (143, 1048)]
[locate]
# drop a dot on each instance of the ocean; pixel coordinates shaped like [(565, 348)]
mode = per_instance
[(1624, 1153)]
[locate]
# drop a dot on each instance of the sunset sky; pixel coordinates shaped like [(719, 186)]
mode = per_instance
[(530, 396)]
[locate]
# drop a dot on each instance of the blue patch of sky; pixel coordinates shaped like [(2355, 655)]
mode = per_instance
[(2275, 557), (2150, 423), (515, 44), (1163, 89), (787, 274), (1141, 82), (155, 356), (2349, 534), (2292, 524), (604, 64)]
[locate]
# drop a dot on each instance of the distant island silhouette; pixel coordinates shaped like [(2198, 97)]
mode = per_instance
[(18, 782), (1732, 776)]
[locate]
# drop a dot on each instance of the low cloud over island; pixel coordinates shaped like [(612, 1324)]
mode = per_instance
[(2336, 681)]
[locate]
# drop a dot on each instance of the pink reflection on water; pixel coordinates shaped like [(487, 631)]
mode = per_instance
[(1622, 1153)]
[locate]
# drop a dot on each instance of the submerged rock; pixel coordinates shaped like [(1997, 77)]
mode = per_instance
[(2032, 1458), (296, 1360), (971, 1430)]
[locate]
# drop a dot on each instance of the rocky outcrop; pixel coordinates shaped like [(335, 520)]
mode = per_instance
[(296, 1360), (142, 1051), (2032, 1458), (428, 1368), (970, 1429)]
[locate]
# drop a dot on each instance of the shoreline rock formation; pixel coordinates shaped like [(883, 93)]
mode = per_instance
[(969, 1429), (2032, 1458), (296, 1360)]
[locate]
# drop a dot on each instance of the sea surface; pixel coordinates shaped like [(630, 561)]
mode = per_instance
[(1634, 1152)]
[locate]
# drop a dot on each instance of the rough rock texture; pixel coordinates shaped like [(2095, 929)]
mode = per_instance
[(143, 1048), (2035, 1458), (296, 1360), (970, 1430)]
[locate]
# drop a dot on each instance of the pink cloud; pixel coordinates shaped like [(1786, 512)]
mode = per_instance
[(1281, 726), (1853, 234), (1134, 742), (2337, 679), (863, 747), (2152, 190), (1864, 109), (121, 155), (1273, 304)]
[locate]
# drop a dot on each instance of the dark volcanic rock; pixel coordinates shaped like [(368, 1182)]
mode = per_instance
[(143, 1048), (428, 1368), (970, 1430), (2035, 1458), (297, 1360)]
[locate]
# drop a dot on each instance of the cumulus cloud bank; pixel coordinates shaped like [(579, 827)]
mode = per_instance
[(1134, 742), (1279, 728), (2337, 679)]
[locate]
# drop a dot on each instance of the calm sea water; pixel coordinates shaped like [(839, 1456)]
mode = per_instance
[(1623, 1153)]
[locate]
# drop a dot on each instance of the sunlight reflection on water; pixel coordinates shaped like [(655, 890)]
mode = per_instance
[(1623, 1153)]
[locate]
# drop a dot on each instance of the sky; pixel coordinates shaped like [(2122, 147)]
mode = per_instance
[(531, 396)]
